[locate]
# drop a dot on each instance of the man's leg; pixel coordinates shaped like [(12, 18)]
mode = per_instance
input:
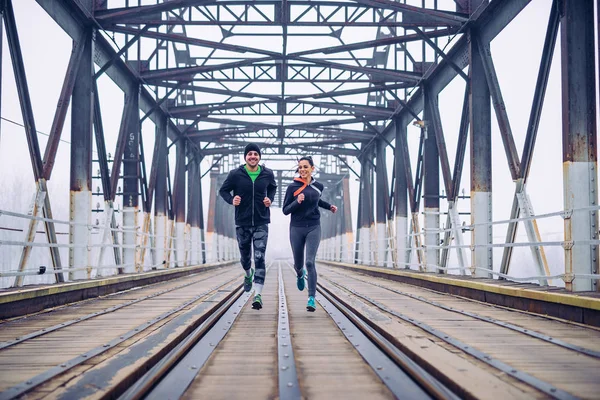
[(244, 239), (259, 239)]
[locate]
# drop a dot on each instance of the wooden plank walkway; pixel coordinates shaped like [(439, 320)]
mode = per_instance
[(244, 364)]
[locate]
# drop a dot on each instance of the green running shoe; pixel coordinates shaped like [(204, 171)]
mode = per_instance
[(300, 281), (257, 303), (248, 281), (310, 306)]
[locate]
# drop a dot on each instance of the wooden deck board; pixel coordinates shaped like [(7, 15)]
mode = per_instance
[(541, 359), (244, 364)]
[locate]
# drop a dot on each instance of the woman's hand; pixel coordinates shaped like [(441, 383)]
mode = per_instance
[(300, 198), (333, 208)]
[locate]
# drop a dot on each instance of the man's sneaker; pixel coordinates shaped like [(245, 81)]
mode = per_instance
[(300, 281), (310, 306), (248, 281), (257, 303)]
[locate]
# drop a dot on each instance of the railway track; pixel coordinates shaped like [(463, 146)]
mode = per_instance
[(199, 337)]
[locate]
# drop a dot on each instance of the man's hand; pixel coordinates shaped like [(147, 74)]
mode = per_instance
[(333, 208), (300, 198), (267, 202), (237, 200)]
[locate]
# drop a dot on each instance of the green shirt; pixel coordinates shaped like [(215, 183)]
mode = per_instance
[(253, 175)]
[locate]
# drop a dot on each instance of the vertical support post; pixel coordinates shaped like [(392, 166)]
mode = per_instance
[(179, 203), (347, 238), (202, 242), (382, 205), (160, 192), (193, 211), (82, 108), (211, 237), (580, 160), (400, 197), (131, 180), (481, 162), (431, 192), (280, 186), (366, 191)]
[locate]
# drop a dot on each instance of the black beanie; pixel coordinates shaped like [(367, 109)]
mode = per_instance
[(252, 147)]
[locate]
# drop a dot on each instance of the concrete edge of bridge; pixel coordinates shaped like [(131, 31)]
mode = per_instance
[(526, 296), (21, 301)]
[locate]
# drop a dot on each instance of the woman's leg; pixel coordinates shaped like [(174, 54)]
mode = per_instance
[(297, 240), (313, 238)]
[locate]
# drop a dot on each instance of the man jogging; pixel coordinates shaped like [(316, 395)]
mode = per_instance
[(253, 188)]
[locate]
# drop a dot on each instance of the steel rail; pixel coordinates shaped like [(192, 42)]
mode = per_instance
[(28, 385), (289, 388), (54, 328), (410, 380), (173, 374), (530, 380), (528, 332), (403, 376)]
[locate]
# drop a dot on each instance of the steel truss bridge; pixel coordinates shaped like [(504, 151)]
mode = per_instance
[(128, 284), (346, 80)]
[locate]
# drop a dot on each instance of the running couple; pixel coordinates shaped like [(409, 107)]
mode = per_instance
[(254, 188)]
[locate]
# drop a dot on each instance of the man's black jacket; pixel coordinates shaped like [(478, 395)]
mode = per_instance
[(251, 211)]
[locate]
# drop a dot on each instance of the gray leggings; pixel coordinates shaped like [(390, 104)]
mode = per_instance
[(302, 237)]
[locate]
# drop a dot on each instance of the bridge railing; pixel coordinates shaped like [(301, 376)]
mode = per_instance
[(25, 255), (454, 250)]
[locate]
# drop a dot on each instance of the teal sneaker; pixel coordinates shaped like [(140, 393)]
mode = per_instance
[(300, 282), (248, 281), (257, 303), (310, 306)]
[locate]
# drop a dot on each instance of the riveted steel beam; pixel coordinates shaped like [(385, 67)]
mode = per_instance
[(82, 109), (580, 158), (63, 102)]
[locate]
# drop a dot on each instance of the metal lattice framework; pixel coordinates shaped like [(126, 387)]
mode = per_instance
[(337, 78)]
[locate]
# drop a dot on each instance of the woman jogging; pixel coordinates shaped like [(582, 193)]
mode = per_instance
[(302, 200)]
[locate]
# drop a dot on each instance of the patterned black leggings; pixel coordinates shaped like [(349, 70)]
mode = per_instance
[(257, 236)]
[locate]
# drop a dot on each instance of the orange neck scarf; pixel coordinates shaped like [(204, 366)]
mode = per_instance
[(304, 185)]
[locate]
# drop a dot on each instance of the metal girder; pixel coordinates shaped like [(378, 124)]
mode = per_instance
[(224, 92), (311, 70), (273, 149), (72, 18), (299, 13), (494, 86), (213, 134), (579, 133), (284, 107), (177, 38), (434, 114), (63, 103), (14, 46), (349, 92), (375, 74), (489, 22), (441, 17), (384, 41)]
